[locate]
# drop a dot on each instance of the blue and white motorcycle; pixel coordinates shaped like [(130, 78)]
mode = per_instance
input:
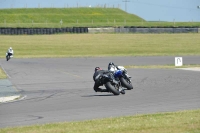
[(121, 73)]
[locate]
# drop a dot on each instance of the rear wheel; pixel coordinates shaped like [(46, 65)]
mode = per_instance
[(111, 88), (126, 84)]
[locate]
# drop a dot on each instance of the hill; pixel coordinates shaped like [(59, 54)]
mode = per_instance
[(52, 17)]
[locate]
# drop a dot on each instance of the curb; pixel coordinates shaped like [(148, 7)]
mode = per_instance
[(190, 69), (9, 98)]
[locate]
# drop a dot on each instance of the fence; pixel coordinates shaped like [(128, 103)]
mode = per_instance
[(32, 31), (93, 23)]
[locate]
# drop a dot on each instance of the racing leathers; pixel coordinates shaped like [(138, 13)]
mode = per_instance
[(10, 52), (97, 79)]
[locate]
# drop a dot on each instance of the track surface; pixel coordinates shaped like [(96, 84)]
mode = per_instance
[(61, 89)]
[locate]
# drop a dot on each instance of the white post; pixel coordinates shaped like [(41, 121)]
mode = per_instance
[(174, 22), (178, 61), (61, 22)]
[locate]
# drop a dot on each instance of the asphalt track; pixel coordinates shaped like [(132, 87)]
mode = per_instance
[(61, 89)]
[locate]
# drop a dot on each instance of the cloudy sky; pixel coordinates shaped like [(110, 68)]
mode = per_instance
[(150, 10)]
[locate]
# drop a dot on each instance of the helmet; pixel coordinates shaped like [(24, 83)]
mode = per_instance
[(97, 68), (111, 63), (10, 48)]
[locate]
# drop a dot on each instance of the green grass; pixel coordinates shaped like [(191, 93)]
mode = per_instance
[(2, 74), (50, 17), (78, 17), (171, 66), (87, 45), (176, 122)]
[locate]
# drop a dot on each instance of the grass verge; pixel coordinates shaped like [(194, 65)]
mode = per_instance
[(78, 17), (82, 45), (171, 66), (51, 17), (2, 74), (176, 122)]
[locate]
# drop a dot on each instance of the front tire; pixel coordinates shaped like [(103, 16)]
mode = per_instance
[(111, 88), (126, 84), (7, 57)]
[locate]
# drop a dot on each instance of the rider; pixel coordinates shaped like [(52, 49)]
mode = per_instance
[(112, 67), (10, 52), (97, 79)]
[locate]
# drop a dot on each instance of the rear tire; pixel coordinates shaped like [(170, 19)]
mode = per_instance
[(111, 88), (126, 84)]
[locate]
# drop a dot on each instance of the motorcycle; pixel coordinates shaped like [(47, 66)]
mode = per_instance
[(122, 75), (8, 56), (111, 84)]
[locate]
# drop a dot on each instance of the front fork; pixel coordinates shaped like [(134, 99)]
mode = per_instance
[(119, 87), (127, 78)]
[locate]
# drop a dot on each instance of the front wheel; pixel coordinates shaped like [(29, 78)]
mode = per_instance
[(126, 84), (7, 57), (111, 88)]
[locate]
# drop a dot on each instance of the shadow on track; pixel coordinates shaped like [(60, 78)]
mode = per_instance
[(98, 95)]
